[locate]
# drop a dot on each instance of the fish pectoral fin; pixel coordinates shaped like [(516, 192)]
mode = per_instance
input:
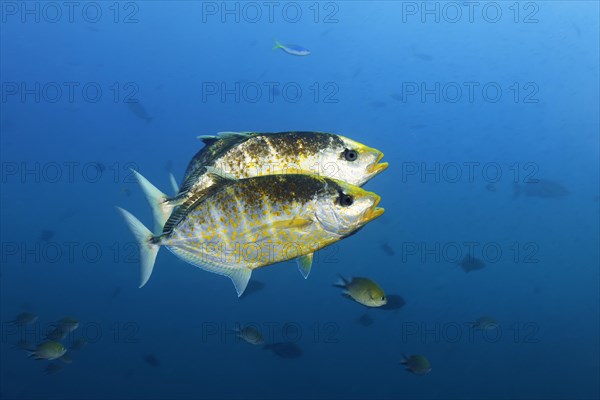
[(304, 264), (240, 278)]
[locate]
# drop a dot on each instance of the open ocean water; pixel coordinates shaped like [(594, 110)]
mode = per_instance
[(488, 250)]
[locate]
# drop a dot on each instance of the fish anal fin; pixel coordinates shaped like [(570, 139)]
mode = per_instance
[(240, 278), (304, 264)]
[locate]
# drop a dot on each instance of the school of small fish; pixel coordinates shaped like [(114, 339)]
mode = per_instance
[(50, 348)]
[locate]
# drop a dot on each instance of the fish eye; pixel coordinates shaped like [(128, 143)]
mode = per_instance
[(382, 298), (350, 155), (346, 200)]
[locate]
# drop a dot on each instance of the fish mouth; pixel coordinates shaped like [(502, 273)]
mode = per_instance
[(377, 167), (373, 212)]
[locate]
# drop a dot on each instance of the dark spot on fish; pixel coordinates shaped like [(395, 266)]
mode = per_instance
[(253, 287), (139, 110), (46, 235), (394, 302), (470, 263), (365, 320), (490, 187), (387, 249), (151, 359), (285, 349)]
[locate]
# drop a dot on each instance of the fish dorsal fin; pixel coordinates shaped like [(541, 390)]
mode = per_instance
[(226, 136), (208, 139), (220, 181), (304, 264)]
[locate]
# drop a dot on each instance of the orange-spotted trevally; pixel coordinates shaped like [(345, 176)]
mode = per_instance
[(246, 155), (236, 226)]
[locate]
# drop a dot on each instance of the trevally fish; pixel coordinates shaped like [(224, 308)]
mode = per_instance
[(292, 49), (246, 155), (237, 226)]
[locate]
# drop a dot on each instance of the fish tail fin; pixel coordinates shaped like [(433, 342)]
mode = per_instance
[(174, 184), (148, 249), (277, 45), (160, 208), (341, 282), (517, 189)]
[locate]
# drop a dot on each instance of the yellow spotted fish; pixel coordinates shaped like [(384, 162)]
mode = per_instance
[(246, 155), (236, 226)]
